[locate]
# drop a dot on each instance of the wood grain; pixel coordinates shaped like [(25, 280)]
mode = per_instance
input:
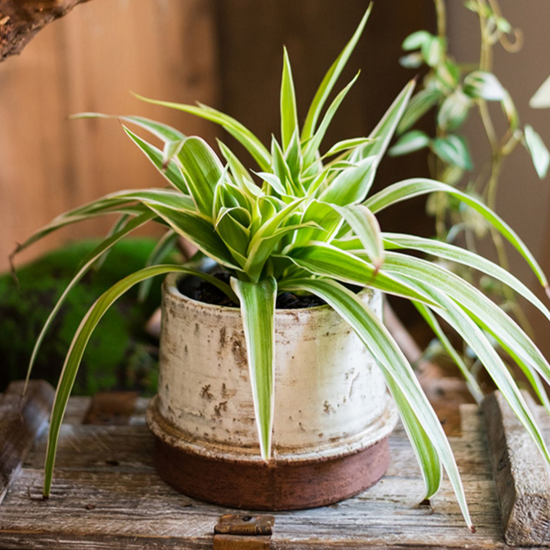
[(520, 472), (22, 419), (90, 61), (106, 494), (111, 408)]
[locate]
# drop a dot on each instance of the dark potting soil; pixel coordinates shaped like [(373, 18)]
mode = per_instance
[(202, 291)]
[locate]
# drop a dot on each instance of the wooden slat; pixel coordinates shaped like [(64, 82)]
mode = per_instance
[(21, 421), (106, 494), (111, 408), (520, 472)]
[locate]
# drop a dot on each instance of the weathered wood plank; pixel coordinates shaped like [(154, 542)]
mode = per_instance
[(106, 494), (520, 473), (21, 421), (89, 504), (111, 408)]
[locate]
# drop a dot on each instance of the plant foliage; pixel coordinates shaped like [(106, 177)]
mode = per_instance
[(454, 91), (304, 221)]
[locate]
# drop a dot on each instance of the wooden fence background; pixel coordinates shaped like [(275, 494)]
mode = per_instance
[(226, 53)]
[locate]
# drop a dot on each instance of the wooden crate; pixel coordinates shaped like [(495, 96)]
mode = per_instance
[(106, 493)]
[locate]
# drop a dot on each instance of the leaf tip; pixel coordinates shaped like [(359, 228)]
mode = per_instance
[(138, 96), (369, 9), (11, 259), (472, 529), (547, 290)]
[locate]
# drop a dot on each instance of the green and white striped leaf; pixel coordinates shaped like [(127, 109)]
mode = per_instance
[(117, 226), (453, 111), (81, 339), (433, 50), (200, 231), (164, 132), (418, 106), (315, 142), (273, 181), (330, 79), (352, 184), (345, 145), (162, 249), (240, 174), (242, 134), (482, 310), (171, 172), (433, 323), (289, 112), (396, 368), (413, 60), (390, 122), (325, 260), (365, 225), (462, 256), (169, 198), (78, 215), (416, 40), (469, 331), (411, 188), (88, 262), (426, 453), (258, 313), (202, 170), (280, 167), (265, 239)]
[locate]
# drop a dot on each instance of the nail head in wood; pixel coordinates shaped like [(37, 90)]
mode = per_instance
[(520, 473)]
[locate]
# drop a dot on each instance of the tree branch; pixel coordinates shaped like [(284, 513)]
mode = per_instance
[(20, 20)]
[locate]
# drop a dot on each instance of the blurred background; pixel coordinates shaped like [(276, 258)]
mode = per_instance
[(228, 54)]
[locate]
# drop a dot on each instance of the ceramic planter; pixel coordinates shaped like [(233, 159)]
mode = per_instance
[(332, 411)]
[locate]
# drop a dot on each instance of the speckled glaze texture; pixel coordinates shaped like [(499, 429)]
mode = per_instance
[(330, 396)]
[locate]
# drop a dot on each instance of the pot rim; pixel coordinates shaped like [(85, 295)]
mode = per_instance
[(380, 428), (170, 286)]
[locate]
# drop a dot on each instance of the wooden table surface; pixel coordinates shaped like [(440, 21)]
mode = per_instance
[(106, 494)]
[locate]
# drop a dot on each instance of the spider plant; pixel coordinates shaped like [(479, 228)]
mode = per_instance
[(304, 221)]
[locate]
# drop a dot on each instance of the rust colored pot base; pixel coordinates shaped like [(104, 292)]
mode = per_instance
[(282, 486)]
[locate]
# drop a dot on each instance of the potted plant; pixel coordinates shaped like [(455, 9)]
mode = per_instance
[(253, 392)]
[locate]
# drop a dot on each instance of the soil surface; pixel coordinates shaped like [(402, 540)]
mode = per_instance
[(202, 291)]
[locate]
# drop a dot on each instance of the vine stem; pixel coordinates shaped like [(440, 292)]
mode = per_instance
[(441, 18), (441, 12), (498, 153)]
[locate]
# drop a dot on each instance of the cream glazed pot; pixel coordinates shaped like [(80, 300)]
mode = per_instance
[(332, 410)]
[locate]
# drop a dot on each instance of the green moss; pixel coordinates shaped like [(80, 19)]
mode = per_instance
[(119, 353)]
